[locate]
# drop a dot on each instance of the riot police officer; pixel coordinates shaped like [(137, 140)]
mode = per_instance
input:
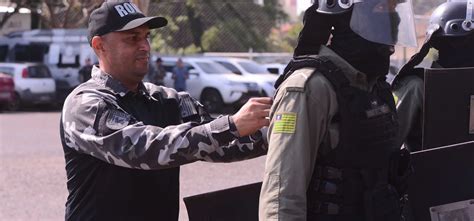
[(451, 32), (333, 122)]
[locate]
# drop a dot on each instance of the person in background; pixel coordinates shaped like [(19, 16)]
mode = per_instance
[(180, 75), (85, 71), (160, 73), (124, 140)]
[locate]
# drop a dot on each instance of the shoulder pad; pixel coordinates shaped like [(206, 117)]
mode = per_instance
[(298, 80)]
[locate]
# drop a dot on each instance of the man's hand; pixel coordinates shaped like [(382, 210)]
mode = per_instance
[(253, 115)]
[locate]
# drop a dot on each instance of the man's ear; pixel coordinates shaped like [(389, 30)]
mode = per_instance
[(98, 44)]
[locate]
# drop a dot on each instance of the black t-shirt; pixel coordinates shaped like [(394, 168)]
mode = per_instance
[(102, 191)]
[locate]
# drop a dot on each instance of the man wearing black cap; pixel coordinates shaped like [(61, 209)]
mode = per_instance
[(124, 140)]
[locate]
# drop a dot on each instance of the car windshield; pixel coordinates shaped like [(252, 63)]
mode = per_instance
[(253, 67), (39, 72), (212, 67), (7, 70)]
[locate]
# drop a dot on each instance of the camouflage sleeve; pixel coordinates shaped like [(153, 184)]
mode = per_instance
[(87, 120)]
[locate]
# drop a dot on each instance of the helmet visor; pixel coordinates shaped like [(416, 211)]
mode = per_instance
[(387, 22)]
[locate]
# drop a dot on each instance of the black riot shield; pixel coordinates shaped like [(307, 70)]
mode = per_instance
[(234, 204), (448, 116), (442, 185)]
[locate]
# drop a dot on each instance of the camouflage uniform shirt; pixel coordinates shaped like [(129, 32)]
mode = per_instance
[(123, 149)]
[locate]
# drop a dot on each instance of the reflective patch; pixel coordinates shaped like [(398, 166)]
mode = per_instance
[(395, 97), (117, 120), (284, 123)]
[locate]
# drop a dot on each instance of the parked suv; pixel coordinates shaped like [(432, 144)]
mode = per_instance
[(33, 84), (252, 71), (212, 84), (7, 90)]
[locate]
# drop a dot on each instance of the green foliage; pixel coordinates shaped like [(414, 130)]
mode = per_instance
[(211, 40), (284, 41), (221, 26)]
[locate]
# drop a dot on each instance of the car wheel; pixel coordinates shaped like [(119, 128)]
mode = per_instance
[(15, 104), (212, 100)]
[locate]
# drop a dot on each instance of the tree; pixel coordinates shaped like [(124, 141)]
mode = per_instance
[(209, 25), (67, 13), (55, 13), (33, 5), (284, 39)]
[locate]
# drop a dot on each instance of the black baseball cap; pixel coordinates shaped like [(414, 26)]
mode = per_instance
[(119, 15)]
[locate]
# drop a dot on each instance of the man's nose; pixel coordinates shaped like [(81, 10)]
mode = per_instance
[(145, 45)]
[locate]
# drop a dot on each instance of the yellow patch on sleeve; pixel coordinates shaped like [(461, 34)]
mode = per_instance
[(284, 123)]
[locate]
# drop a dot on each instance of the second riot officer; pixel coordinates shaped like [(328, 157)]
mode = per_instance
[(451, 32), (332, 152)]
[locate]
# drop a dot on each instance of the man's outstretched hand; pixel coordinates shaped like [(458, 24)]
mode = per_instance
[(253, 115)]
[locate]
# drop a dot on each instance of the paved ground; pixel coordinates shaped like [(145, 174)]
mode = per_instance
[(32, 175)]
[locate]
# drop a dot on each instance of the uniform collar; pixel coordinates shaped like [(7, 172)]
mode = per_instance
[(115, 86), (355, 77)]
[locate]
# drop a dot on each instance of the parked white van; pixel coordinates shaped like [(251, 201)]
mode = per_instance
[(64, 51), (212, 84)]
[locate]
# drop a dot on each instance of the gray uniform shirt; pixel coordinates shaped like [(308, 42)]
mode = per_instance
[(127, 142), (300, 124)]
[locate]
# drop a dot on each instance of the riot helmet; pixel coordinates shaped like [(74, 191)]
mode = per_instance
[(334, 6), (389, 22), (451, 32), (453, 18), (363, 31), (455, 36)]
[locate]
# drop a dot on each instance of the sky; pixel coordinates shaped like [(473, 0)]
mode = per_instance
[(302, 5)]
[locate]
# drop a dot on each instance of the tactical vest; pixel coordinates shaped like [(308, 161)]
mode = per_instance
[(352, 181), (102, 191)]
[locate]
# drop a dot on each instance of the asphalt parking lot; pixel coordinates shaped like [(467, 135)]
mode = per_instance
[(33, 178)]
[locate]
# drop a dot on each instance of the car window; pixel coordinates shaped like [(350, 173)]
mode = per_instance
[(3, 52), (38, 72), (7, 70), (168, 67), (253, 67), (230, 66), (273, 70), (188, 66), (30, 53), (212, 67)]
